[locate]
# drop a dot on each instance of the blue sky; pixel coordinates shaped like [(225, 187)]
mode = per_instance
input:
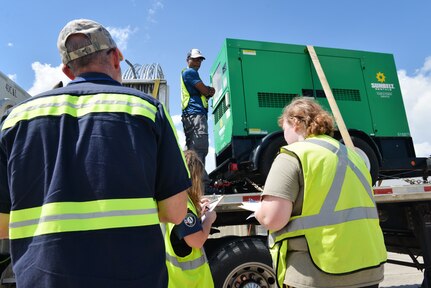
[(163, 31)]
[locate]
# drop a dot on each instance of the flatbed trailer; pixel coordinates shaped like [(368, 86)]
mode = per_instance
[(405, 218)]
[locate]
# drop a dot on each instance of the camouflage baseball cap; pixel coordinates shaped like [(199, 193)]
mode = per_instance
[(98, 35)]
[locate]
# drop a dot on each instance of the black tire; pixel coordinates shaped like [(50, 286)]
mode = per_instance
[(370, 155), (268, 156), (240, 262)]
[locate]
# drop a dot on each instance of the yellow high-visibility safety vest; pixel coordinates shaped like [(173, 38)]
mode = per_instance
[(339, 218), (189, 271), (185, 95)]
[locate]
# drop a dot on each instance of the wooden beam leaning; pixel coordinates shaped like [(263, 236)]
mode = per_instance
[(331, 100)]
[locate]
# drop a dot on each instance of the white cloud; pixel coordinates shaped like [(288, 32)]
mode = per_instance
[(423, 149), (121, 35), (177, 120), (151, 18), (210, 159), (46, 77), (152, 12), (426, 69), (10, 44), (12, 77), (416, 91)]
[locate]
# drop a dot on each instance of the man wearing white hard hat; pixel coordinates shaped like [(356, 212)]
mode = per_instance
[(194, 103)]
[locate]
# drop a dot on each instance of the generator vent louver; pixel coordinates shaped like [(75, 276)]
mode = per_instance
[(346, 94), (220, 110), (342, 94), (274, 100)]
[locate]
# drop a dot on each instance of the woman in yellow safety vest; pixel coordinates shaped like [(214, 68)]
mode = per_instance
[(185, 257), (319, 208)]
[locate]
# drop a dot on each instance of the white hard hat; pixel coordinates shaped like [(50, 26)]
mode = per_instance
[(195, 53)]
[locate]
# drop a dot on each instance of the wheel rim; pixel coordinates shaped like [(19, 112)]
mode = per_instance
[(250, 275)]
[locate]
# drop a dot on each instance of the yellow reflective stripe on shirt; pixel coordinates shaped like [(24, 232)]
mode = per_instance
[(82, 216), (78, 106)]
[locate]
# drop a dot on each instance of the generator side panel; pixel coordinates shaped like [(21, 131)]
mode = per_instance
[(385, 96), (221, 101)]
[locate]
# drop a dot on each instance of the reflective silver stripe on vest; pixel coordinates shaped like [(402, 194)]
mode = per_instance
[(94, 215), (187, 265), (328, 215), (342, 155)]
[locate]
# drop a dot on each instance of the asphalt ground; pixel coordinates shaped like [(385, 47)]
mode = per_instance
[(397, 276)]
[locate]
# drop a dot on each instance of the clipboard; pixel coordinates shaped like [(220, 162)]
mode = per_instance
[(214, 201)]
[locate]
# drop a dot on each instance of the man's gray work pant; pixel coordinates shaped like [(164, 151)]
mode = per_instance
[(196, 132)]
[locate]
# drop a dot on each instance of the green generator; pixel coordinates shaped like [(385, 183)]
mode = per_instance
[(255, 80)]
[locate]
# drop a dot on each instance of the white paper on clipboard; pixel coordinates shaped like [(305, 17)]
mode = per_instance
[(250, 206), (214, 201)]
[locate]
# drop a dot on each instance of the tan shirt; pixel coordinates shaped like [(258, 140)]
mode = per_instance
[(285, 180)]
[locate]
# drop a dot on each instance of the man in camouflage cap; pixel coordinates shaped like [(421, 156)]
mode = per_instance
[(95, 38), (87, 173), (99, 37)]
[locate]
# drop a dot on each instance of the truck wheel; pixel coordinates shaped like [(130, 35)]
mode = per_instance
[(268, 156), (369, 156), (244, 262)]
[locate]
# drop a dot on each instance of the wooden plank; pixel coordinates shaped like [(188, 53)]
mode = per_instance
[(331, 100)]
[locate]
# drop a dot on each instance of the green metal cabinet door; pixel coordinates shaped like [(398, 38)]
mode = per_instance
[(345, 77), (271, 80)]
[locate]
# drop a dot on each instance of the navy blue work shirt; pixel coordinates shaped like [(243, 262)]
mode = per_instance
[(86, 157)]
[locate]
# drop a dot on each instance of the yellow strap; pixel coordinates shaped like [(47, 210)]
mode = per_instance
[(155, 92)]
